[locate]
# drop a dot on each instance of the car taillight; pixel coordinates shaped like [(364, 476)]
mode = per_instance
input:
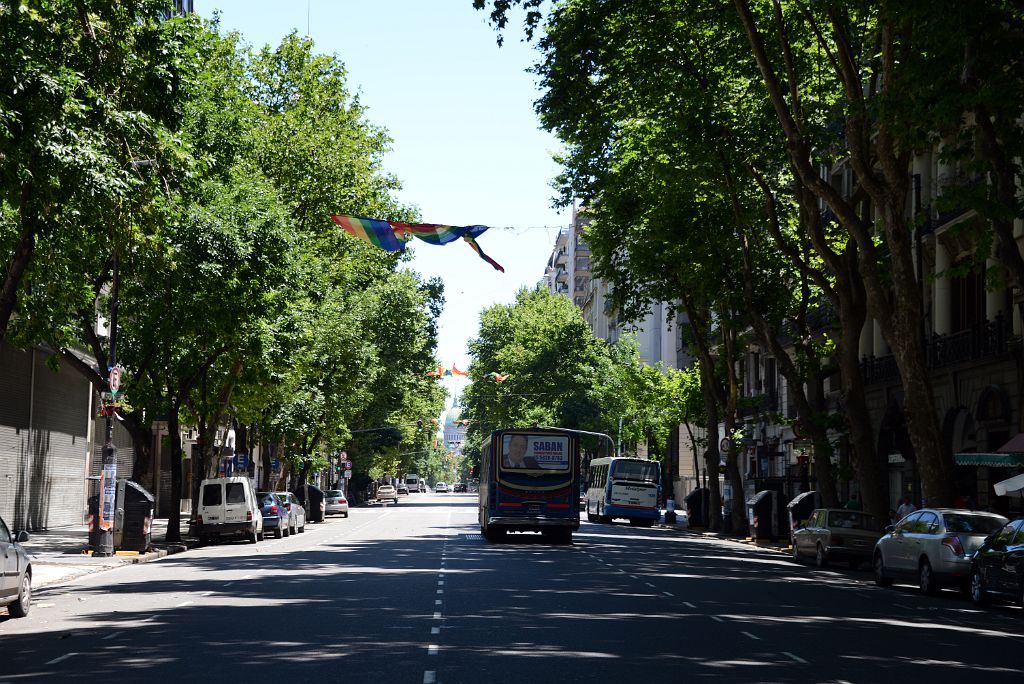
[(954, 545), (273, 509), (289, 508), (248, 515), (199, 520)]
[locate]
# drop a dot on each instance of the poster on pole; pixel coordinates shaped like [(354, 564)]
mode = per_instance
[(108, 494)]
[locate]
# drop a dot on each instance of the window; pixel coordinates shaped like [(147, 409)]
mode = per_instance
[(636, 470), (1005, 536), (236, 493), (908, 524), (929, 524), (1020, 536), (212, 494), (976, 524), (5, 534)]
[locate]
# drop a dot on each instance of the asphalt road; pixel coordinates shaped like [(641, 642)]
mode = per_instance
[(411, 593)]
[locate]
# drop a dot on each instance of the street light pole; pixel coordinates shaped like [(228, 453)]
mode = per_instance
[(108, 482)]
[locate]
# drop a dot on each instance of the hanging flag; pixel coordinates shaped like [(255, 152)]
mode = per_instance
[(497, 377), (447, 372), (435, 373), (456, 371), (392, 235)]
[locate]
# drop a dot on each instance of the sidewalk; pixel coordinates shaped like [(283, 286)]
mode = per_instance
[(57, 555)]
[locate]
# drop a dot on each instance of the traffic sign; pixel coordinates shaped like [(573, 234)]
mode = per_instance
[(114, 380), (348, 474), (348, 465)]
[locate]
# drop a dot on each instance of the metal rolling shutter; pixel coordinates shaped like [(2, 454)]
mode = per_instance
[(60, 422), (15, 385)]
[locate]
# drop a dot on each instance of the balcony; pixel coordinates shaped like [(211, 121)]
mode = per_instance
[(982, 340)]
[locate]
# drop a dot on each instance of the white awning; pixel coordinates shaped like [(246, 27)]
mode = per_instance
[(1010, 487)]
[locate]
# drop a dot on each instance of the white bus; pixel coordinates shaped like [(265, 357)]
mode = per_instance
[(622, 487)]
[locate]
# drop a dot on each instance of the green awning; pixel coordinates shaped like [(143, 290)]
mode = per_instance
[(991, 460)]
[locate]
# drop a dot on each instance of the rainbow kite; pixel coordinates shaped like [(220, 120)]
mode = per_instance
[(392, 235)]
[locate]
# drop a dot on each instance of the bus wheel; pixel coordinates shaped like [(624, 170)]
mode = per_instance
[(591, 517), (494, 534)]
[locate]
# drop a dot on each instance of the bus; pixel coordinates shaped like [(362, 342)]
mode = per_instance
[(529, 482), (624, 487)]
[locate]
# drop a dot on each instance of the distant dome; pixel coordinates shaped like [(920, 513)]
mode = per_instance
[(453, 415)]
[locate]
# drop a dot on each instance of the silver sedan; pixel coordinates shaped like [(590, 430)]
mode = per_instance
[(15, 572), (933, 545)]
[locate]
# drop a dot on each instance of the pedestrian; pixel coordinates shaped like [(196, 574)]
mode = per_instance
[(893, 518), (906, 508), (854, 503)]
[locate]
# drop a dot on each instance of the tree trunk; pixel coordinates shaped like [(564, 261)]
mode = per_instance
[(23, 253)]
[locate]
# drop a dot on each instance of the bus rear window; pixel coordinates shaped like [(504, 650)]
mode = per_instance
[(643, 471), (535, 452)]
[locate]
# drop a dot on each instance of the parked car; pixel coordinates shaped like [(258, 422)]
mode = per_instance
[(296, 513), (228, 507), (15, 572), (336, 502), (316, 504), (459, 487), (935, 545), (832, 534), (403, 490), (387, 492), (441, 488), (998, 567), (275, 514)]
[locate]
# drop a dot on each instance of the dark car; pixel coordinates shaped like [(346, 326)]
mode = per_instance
[(997, 570), (15, 572), (316, 506), (275, 514), (459, 487)]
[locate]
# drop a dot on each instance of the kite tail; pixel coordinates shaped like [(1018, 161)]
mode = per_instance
[(472, 243)]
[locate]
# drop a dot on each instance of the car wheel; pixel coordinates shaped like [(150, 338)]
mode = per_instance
[(796, 553), (820, 559), (260, 536), (20, 608), (926, 578), (880, 577), (252, 537), (302, 529), (344, 515), (279, 532), (978, 594), (293, 530)]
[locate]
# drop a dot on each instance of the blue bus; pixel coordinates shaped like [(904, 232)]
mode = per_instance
[(623, 487), (529, 481)]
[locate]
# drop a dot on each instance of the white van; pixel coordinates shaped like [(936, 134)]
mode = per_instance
[(228, 508)]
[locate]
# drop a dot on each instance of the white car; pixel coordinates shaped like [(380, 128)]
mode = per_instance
[(441, 488), (387, 492), (336, 502)]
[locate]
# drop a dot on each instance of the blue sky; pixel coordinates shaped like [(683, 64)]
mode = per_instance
[(467, 144)]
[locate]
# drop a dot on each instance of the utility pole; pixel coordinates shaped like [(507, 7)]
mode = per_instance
[(108, 481)]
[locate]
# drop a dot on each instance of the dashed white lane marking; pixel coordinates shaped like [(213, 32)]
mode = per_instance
[(717, 619), (440, 583), (668, 593), (432, 649), (688, 604), (111, 636), (440, 591), (182, 605), (794, 657), (435, 630), (429, 677), (60, 658), (755, 638), (633, 577), (650, 585), (437, 602)]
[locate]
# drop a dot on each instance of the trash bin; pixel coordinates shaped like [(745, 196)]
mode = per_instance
[(133, 517), (316, 502), (763, 514), (698, 504), (799, 510)]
